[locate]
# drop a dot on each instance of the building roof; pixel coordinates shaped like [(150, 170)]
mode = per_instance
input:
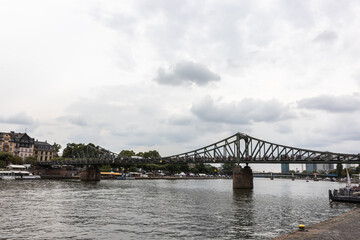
[(42, 143)]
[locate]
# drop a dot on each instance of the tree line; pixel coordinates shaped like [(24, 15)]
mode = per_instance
[(7, 158)]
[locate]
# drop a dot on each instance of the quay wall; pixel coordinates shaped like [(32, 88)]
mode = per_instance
[(345, 226)]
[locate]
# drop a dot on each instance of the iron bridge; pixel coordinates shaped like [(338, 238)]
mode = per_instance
[(238, 148)]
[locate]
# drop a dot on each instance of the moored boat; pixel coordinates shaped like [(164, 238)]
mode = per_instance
[(347, 194), (18, 175)]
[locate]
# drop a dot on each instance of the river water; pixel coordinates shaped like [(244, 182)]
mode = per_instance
[(161, 209)]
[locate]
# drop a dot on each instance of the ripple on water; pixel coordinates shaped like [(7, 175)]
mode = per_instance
[(161, 209)]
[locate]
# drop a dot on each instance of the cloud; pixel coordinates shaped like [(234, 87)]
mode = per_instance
[(326, 37), (334, 104), (19, 118), (75, 120), (243, 112), (186, 72)]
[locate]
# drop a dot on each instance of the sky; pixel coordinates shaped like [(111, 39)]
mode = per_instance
[(175, 76)]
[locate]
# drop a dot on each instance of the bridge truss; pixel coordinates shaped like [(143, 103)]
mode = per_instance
[(242, 148), (238, 148)]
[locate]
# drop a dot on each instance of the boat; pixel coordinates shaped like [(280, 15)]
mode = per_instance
[(126, 176), (29, 176), (347, 194), (18, 175), (7, 175), (17, 172)]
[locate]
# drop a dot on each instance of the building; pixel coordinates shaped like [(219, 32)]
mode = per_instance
[(6, 143), (285, 168), (43, 151), (311, 167), (325, 167), (24, 145), (18, 144)]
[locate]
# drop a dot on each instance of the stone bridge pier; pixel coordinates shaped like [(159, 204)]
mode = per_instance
[(90, 173), (242, 178)]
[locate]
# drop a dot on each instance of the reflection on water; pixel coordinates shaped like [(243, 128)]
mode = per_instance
[(161, 209), (243, 213)]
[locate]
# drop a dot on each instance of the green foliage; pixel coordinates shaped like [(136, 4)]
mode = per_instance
[(172, 168), (339, 168), (227, 168), (105, 168), (30, 160), (132, 169), (357, 170), (184, 167), (127, 153), (350, 171), (72, 149), (153, 154), (2, 164), (8, 158), (57, 148)]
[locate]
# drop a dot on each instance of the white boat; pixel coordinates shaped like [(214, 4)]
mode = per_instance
[(7, 175), (18, 175)]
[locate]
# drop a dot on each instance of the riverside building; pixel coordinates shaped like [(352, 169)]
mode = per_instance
[(22, 145), (44, 151)]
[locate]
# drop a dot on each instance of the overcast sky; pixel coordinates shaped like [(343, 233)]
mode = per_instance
[(178, 75)]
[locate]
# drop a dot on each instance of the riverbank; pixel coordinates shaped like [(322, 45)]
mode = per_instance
[(345, 226)]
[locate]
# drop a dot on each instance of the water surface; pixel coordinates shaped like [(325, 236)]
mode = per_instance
[(161, 209)]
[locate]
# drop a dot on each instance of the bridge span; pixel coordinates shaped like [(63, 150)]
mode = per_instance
[(238, 148)]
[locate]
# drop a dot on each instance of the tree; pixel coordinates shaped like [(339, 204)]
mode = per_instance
[(339, 168), (132, 169), (105, 168), (8, 158), (72, 149), (153, 154), (184, 167), (30, 160), (172, 168), (57, 148), (227, 168), (127, 153)]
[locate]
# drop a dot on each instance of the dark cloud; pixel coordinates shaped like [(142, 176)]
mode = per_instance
[(244, 112), (186, 72), (326, 36), (19, 118), (346, 103)]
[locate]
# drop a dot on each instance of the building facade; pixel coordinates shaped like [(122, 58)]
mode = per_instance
[(6, 143), (325, 167), (285, 168), (18, 144), (44, 151), (24, 144), (311, 167)]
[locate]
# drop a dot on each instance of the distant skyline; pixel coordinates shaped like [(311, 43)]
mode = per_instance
[(178, 75)]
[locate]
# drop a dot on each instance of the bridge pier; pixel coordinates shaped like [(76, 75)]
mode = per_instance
[(90, 173), (242, 178)]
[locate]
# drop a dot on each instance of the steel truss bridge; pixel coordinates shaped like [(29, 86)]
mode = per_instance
[(238, 148)]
